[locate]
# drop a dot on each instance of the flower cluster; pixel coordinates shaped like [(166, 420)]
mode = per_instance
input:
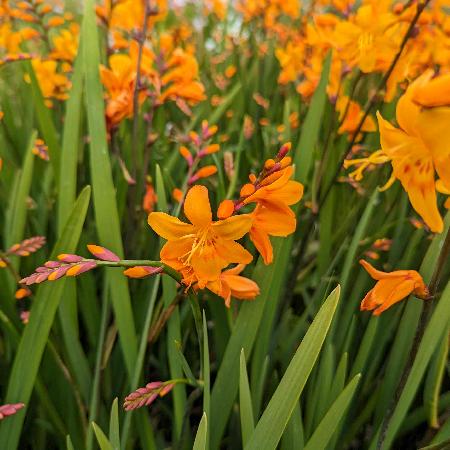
[(10, 409), (22, 249), (201, 147), (202, 249), (70, 265), (145, 396)]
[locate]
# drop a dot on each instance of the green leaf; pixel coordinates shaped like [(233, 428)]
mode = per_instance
[(243, 337), (433, 382), (114, 432), (311, 126), (46, 125), (35, 335), (200, 437), (173, 326), (104, 195), (270, 427), (17, 208), (69, 444), (206, 374), (245, 402), (445, 445), (102, 440), (70, 144), (328, 425)]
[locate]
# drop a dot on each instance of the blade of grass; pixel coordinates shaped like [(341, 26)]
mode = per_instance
[(35, 335), (328, 425), (243, 337), (102, 440), (114, 432), (200, 437), (270, 427), (104, 197), (173, 327), (206, 376), (433, 383), (311, 126), (17, 208), (245, 402), (46, 125)]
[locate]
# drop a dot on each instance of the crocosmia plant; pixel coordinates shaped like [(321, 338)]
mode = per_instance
[(224, 224)]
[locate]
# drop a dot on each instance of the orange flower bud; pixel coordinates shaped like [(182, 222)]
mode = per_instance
[(398, 8), (204, 172), (230, 71), (286, 161), (177, 195), (226, 209), (209, 149), (269, 164), (55, 22), (194, 137), (271, 178), (252, 177), (186, 154), (247, 190), (22, 293), (142, 271)]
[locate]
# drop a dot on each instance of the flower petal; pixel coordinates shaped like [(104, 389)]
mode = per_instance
[(262, 244), (169, 227), (197, 207), (401, 291), (234, 227), (242, 287), (232, 252)]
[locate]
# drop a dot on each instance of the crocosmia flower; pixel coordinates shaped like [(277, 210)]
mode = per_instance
[(391, 288)]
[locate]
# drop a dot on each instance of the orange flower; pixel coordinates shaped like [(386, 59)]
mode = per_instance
[(350, 114), (391, 288), (272, 216), (120, 81), (201, 248), (420, 146), (231, 284)]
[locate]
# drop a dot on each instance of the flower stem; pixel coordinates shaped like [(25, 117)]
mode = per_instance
[(140, 262), (423, 321), (137, 87)]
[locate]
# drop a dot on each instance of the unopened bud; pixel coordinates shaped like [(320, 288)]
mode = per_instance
[(226, 209)]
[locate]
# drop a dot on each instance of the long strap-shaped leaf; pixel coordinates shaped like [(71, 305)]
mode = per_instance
[(35, 335), (328, 425), (104, 196), (200, 437), (276, 416)]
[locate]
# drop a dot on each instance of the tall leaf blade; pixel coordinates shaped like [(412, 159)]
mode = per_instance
[(328, 425), (35, 335), (270, 427), (104, 196)]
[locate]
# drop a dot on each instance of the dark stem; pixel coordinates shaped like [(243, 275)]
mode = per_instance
[(156, 329), (137, 87), (423, 321)]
